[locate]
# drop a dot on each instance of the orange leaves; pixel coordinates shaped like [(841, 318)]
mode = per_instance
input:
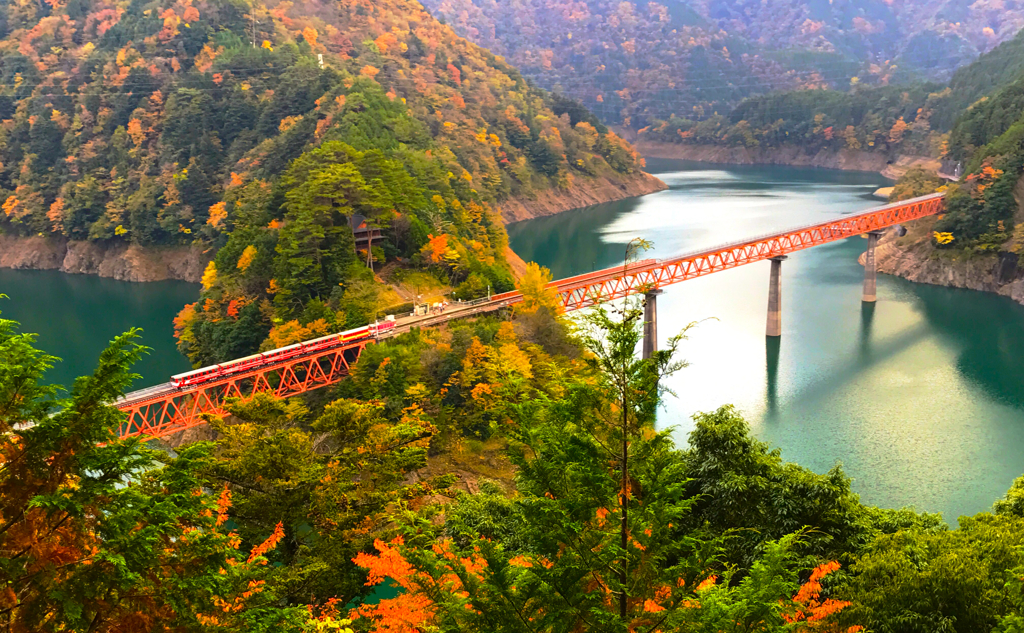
[(707, 583), (10, 206), (455, 74), (389, 563), (205, 58), (309, 34), (984, 178), (386, 42), (218, 213), (268, 544), (899, 128), (369, 71), (171, 22), (184, 319), (135, 132), (436, 247), (236, 180), (191, 14), (810, 608), (56, 215), (408, 613), (223, 503)]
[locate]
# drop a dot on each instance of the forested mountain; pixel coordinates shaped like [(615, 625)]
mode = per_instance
[(633, 61), (911, 119), (267, 129)]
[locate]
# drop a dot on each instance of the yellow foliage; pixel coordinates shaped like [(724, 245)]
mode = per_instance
[(209, 276), (943, 238), (536, 293), (293, 332), (10, 205), (266, 45), (247, 257)]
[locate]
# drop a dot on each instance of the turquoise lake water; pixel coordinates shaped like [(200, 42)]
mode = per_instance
[(920, 397)]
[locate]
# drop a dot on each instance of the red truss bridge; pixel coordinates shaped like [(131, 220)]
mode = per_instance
[(186, 400)]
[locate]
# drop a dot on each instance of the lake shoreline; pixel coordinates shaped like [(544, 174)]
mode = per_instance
[(845, 160), (122, 262), (134, 263)]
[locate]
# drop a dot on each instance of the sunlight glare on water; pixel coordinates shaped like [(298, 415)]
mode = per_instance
[(920, 397)]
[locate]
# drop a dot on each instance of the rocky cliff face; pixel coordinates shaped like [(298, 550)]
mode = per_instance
[(793, 155), (582, 193), (913, 257), (120, 261)]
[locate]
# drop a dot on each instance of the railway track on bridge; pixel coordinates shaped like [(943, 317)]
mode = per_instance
[(169, 408)]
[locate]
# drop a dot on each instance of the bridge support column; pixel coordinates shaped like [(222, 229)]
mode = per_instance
[(774, 327), (651, 322), (870, 269)]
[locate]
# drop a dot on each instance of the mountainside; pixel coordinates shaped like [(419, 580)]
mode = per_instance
[(632, 61), (941, 121), (268, 131)]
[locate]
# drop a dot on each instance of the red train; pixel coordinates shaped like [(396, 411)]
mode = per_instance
[(241, 365)]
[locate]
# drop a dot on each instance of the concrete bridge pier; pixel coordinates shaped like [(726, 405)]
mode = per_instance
[(651, 322), (870, 268), (775, 298)]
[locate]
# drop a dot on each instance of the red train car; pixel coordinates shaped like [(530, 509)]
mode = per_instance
[(281, 354)]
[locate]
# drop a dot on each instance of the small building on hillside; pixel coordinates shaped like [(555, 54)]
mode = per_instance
[(362, 233)]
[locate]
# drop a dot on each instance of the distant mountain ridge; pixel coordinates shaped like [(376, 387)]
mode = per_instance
[(633, 61)]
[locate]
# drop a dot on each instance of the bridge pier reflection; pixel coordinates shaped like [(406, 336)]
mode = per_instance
[(774, 327), (772, 347), (651, 322), (871, 268)]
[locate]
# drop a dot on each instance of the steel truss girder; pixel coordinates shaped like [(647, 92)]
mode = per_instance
[(621, 281), (180, 410), (174, 411)]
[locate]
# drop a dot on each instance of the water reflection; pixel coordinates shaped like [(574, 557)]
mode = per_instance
[(990, 334), (918, 395), (76, 316), (772, 348)]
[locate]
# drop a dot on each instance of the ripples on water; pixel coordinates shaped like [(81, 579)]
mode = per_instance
[(920, 397)]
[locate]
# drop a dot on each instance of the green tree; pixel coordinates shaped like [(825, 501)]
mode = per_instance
[(96, 534)]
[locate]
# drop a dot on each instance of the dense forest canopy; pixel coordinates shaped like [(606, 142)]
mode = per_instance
[(263, 130), (633, 61), (504, 474)]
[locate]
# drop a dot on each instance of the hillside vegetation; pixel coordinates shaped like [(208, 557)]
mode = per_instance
[(916, 118), (263, 131), (633, 62), (502, 474)]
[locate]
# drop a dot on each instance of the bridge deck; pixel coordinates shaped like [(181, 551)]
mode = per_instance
[(162, 410)]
